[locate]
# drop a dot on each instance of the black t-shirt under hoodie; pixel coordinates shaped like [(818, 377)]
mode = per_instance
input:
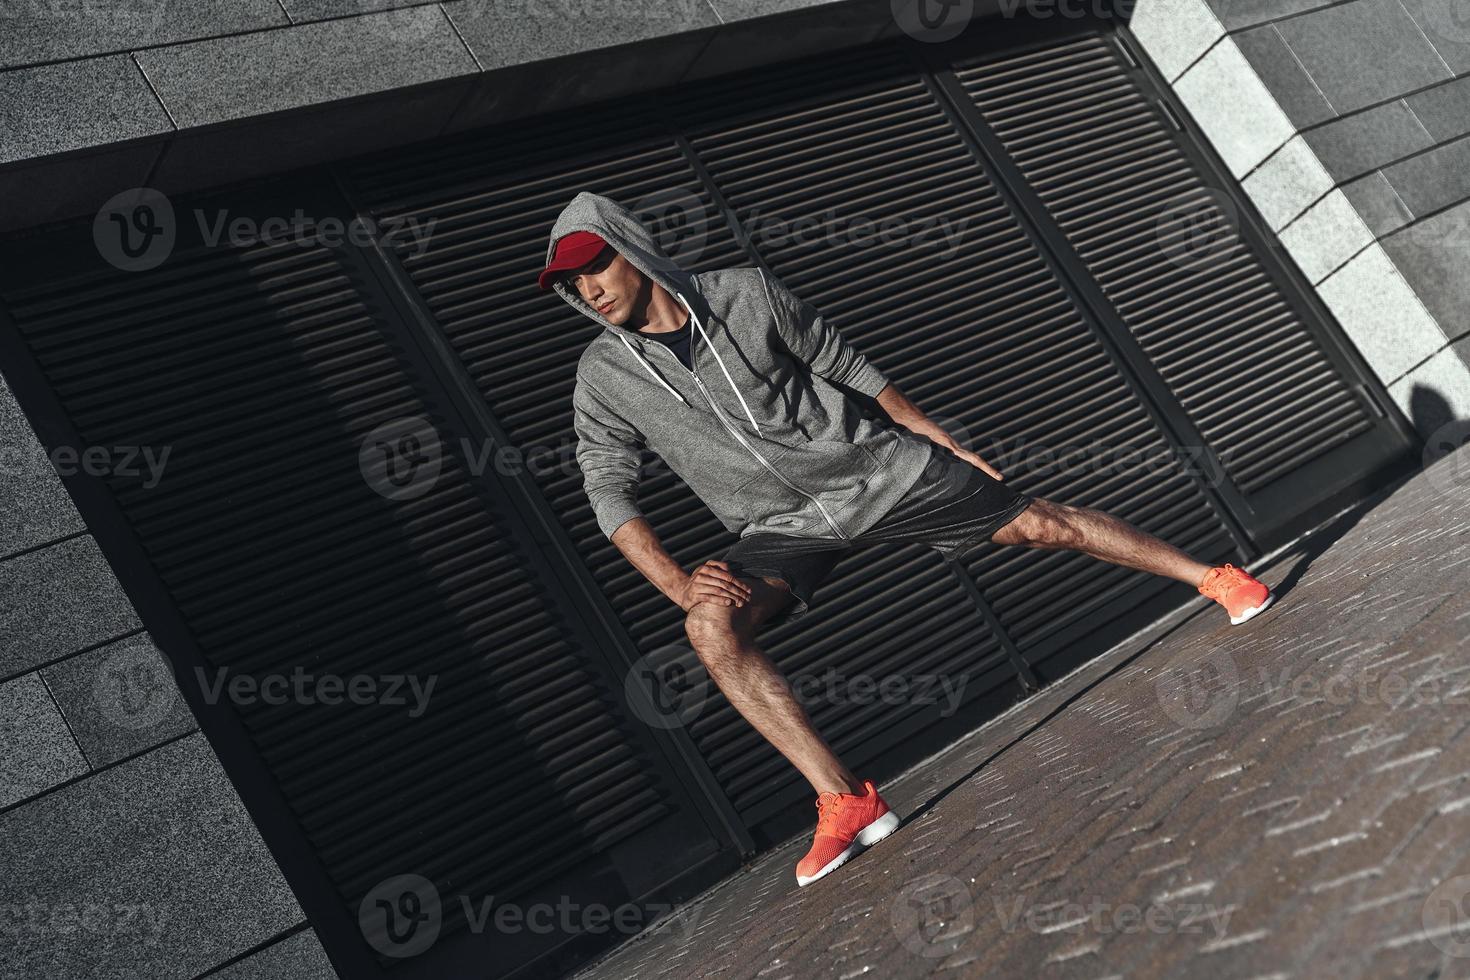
[(676, 340)]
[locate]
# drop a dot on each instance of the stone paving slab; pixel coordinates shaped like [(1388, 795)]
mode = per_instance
[(1286, 798)]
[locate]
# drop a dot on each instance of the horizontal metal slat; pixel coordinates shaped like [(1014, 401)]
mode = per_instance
[(1160, 300)]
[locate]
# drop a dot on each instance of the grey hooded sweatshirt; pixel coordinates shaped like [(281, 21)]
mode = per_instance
[(757, 429)]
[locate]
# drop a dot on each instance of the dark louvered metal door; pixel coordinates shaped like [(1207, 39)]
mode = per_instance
[(965, 314), (495, 206), (964, 311), (1285, 409), (321, 515)]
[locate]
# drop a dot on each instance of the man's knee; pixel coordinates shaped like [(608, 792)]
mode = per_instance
[(1044, 524), (710, 624)]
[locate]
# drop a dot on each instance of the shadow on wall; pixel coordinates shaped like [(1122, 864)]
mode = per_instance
[(1429, 412)]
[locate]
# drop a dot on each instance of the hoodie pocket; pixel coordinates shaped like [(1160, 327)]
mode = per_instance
[(766, 500), (833, 470)]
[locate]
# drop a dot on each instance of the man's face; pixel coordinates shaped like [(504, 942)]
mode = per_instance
[(611, 285)]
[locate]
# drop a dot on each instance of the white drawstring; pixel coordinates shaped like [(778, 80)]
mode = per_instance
[(649, 368), (720, 361)]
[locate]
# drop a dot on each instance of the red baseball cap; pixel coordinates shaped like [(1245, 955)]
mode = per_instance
[(573, 250)]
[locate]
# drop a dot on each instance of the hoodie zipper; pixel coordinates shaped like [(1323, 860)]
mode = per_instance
[(751, 449)]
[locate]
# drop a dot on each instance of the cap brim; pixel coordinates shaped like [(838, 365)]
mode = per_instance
[(567, 259)]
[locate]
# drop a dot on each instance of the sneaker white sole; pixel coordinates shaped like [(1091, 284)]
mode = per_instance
[(866, 838), (1254, 610)]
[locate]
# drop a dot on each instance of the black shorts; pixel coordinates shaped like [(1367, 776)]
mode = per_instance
[(952, 507)]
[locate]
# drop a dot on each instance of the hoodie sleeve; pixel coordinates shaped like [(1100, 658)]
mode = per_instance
[(812, 339), (609, 455)]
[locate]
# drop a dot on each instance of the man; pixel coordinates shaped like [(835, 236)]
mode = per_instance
[(743, 390)]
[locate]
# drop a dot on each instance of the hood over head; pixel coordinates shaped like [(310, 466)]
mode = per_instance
[(621, 229)]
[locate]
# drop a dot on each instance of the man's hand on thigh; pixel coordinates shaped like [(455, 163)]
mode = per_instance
[(713, 583), (768, 596)]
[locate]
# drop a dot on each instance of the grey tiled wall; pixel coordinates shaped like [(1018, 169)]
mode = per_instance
[(1348, 124), (127, 852), (101, 97)]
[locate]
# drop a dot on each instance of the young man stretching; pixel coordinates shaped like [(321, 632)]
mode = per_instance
[(738, 385)]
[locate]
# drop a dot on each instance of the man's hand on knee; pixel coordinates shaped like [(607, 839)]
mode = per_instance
[(713, 583)]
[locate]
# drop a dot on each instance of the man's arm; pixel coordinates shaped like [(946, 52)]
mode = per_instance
[(810, 337), (711, 582), (909, 415), (609, 453)]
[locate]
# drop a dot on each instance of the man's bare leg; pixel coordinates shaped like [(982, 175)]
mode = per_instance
[(1048, 524), (724, 639), (724, 636)]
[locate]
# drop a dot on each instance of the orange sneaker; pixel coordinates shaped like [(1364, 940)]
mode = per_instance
[(1240, 594), (846, 824)]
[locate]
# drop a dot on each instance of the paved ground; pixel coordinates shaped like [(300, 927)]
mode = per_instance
[(1287, 798)]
